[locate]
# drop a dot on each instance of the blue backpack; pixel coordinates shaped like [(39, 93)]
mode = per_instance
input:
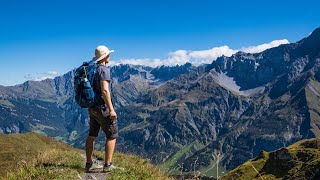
[(83, 84)]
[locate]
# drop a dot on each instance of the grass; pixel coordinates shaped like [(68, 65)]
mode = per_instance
[(53, 164), (135, 168), (135, 126), (33, 156), (40, 128), (298, 161), (210, 171), (16, 148), (172, 161)]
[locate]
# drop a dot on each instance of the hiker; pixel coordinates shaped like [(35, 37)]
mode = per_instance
[(102, 116)]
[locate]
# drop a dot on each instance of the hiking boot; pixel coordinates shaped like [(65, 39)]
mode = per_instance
[(110, 167), (91, 166)]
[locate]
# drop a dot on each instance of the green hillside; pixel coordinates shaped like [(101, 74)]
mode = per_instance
[(33, 156), (298, 161)]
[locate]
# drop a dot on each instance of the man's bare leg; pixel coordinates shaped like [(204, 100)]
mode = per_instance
[(109, 149), (89, 148)]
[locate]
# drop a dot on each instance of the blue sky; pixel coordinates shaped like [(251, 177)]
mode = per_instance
[(48, 38)]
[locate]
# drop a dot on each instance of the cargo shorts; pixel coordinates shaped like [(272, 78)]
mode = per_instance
[(97, 120)]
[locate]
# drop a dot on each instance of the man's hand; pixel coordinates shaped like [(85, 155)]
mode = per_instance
[(107, 99), (113, 115)]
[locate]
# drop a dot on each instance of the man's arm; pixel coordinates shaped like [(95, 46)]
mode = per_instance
[(107, 97)]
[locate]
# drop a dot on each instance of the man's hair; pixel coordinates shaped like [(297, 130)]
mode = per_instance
[(104, 58), (107, 56)]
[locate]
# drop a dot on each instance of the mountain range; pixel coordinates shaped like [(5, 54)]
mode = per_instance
[(185, 117)]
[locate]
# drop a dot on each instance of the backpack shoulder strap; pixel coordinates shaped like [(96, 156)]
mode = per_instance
[(93, 70)]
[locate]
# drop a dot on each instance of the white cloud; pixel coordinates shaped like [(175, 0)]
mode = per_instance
[(53, 73), (146, 62), (28, 76), (41, 76), (207, 56), (262, 47), (181, 57)]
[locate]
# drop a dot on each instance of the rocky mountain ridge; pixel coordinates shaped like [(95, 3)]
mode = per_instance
[(300, 160)]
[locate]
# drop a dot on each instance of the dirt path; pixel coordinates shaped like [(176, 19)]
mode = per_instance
[(95, 174)]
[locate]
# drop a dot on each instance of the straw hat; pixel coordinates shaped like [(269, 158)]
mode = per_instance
[(101, 52)]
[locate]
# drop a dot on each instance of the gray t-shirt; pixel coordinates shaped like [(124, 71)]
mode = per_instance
[(102, 73)]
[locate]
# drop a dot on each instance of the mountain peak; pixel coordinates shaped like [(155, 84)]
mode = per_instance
[(311, 44), (315, 33), (313, 38)]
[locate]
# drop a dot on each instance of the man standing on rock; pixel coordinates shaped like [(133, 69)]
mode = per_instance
[(102, 115)]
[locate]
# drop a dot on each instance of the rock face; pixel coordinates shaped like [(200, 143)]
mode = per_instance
[(184, 116), (286, 62), (49, 107)]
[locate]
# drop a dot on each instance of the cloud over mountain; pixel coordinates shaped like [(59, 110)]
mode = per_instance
[(199, 57), (262, 47), (41, 76)]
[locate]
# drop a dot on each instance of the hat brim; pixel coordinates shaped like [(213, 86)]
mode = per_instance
[(102, 57)]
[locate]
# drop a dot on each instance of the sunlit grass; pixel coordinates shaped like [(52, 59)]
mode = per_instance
[(301, 160), (32, 156), (50, 164), (134, 168)]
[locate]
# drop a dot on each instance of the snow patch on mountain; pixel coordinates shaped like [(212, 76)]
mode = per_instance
[(229, 83)]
